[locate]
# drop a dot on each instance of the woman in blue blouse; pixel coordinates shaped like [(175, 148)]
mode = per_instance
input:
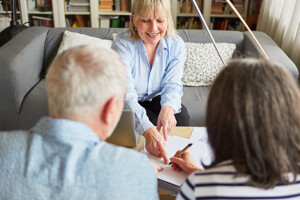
[(154, 57)]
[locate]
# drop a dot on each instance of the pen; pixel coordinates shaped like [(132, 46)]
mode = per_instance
[(182, 151)]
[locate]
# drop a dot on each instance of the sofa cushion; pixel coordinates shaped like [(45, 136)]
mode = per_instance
[(203, 63), (71, 39), (55, 35), (195, 100)]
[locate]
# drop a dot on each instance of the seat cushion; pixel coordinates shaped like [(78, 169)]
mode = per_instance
[(195, 100)]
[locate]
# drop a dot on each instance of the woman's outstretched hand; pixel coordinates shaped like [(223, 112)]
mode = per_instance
[(155, 144)]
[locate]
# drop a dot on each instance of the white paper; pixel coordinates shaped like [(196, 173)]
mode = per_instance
[(200, 150)]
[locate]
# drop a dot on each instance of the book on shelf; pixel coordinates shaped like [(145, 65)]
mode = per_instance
[(4, 22), (77, 21), (125, 5), (189, 23), (114, 22), (31, 4), (117, 5), (226, 24)]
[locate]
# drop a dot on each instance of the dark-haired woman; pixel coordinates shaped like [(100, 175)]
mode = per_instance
[(253, 125)]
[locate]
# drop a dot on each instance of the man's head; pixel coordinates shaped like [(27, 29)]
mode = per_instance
[(87, 84)]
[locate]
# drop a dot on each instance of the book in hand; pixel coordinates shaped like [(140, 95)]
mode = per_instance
[(169, 180)]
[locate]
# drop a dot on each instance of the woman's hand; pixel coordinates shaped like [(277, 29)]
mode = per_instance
[(185, 162), (166, 119), (155, 144)]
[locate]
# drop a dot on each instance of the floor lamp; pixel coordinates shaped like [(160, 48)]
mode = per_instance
[(212, 38)]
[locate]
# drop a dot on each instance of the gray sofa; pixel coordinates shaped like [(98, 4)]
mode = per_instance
[(24, 61)]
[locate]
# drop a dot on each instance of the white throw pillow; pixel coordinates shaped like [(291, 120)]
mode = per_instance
[(203, 64), (71, 39)]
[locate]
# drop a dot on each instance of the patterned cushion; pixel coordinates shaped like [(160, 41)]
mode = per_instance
[(203, 63), (71, 39)]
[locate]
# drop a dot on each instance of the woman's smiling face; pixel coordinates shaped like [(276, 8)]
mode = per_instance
[(152, 29)]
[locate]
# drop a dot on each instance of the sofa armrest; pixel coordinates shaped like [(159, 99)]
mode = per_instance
[(273, 51), (21, 63)]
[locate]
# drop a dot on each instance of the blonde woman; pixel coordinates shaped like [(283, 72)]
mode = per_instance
[(154, 57)]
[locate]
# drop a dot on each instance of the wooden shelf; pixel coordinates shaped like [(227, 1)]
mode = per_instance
[(187, 15), (225, 16), (8, 12), (39, 12), (77, 13), (115, 13)]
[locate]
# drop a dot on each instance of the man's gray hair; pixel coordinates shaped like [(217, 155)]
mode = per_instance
[(82, 79)]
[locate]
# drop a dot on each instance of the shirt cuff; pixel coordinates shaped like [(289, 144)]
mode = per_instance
[(177, 109), (142, 125)]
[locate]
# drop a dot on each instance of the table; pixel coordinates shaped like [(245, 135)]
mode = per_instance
[(181, 131), (177, 131)]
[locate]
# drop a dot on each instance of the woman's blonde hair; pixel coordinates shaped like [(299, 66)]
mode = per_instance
[(145, 8)]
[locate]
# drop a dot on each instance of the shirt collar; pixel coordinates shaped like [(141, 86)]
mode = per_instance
[(161, 45), (63, 129)]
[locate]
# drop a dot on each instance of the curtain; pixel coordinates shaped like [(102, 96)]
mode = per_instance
[(280, 19)]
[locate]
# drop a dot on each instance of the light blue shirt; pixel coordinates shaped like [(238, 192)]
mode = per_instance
[(144, 83), (63, 159)]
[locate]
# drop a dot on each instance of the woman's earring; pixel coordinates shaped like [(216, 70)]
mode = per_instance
[(135, 29)]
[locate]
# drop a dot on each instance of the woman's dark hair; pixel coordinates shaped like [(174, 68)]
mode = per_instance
[(253, 119)]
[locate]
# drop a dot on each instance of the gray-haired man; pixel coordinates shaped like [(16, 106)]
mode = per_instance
[(64, 156)]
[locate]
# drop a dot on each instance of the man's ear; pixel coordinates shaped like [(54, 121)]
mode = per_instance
[(109, 110)]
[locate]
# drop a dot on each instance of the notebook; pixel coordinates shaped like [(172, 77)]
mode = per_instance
[(124, 134)]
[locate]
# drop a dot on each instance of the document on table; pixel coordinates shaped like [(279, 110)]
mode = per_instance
[(200, 150)]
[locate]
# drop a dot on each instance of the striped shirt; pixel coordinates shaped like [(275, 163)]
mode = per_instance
[(220, 183)]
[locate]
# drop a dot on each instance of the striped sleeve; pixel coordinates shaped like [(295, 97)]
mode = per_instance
[(221, 182), (187, 189)]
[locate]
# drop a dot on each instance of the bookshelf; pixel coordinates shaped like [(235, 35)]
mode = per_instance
[(223, 18), (36, 17), (94, 15), (216, 13), (97, 14), (5, 14)]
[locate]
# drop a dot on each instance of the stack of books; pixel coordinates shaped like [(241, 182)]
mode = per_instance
[(240, 6), (106, 5), (222, 7), (217, 6), (187, 6), (78, 6)]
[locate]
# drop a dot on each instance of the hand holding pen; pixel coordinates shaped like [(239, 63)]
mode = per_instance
[(180, 153), (183, 160)]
